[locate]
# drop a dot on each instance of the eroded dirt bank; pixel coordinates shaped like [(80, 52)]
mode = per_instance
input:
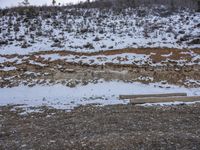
[(173, 66), (110, 127)]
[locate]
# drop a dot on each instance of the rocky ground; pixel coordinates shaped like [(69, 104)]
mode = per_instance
[(109, 127)]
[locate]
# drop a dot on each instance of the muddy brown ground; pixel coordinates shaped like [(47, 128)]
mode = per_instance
[(119, 127)]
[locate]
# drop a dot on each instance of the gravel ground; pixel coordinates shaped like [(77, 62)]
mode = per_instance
[(92, 127)]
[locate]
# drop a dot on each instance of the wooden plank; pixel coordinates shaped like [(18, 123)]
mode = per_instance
[(151, 95), (164, 99)]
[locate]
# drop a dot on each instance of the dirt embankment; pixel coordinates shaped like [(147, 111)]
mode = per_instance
[(33, 69), (83, 74)]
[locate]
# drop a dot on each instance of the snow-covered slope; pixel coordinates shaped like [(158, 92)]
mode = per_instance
[(84, 56), (94, 30)]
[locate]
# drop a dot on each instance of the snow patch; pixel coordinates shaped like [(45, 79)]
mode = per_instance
[(103, 93)]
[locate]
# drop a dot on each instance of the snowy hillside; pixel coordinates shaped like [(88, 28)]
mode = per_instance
[(94, 29), (93, 55), (62, 66)]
